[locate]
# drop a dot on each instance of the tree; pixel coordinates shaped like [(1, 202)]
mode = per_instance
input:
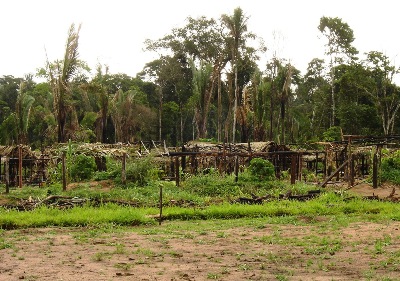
[(60, 75), (356, 111), (201, 42), (237, 26), (22, 113), (339, 47), (131, 116), (385, 94), (312, 101)]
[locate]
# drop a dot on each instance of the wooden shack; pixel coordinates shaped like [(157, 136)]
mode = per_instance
[(19, 164)]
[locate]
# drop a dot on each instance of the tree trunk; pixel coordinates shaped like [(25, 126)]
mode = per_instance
[(235, 102), (219, 120), (160, 115)]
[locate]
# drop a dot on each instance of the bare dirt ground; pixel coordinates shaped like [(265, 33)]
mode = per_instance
[(318, 249)]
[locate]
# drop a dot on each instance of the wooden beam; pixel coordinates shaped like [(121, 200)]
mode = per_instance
[(335, 173)]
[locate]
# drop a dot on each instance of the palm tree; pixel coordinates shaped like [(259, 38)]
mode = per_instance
[(60, 75), (237, 26), (22, 113)]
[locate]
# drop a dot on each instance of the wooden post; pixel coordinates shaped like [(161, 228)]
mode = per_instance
[(20, 166), (293, 169), (335, 173), (183, 159), (351, 174), (375, 171), (177, 170), (7, 174), (236, 168), (160, 204), (299, 166), (123, 171), (64, 171), (316, 163)]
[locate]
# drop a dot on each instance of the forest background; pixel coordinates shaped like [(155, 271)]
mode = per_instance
[(206, 83)]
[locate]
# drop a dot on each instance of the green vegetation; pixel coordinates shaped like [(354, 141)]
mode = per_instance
[(261, 169), (391, 167), (181, 94), (206, 197)]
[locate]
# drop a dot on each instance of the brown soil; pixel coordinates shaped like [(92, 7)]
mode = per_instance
[(317, 250), (174, 252)]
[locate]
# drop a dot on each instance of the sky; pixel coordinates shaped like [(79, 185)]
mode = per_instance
[(113, 32)]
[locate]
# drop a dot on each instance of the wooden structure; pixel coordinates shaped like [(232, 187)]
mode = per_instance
[(19, 164), (200, 157)]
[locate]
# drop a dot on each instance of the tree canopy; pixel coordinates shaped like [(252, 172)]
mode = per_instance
[(207, 83)]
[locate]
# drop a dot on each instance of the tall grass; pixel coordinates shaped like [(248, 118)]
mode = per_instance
[(80, 216), (328, 205)]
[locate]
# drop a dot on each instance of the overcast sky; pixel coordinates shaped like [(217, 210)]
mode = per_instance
[(113, 32)]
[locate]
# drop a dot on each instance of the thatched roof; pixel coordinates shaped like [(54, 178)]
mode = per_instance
[(237, 147), (12, 151)]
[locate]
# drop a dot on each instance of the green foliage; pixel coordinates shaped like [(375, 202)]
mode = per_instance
[(262, 169), (391, 168), (82, 168), (333, 134), (141, 171), (89, 120), (81, 216), (212, 185)]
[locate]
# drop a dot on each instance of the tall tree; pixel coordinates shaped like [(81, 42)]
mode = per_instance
[(60, 75), (22, 113), (237, 26), (338, 47), (385, 94), (312, 101)]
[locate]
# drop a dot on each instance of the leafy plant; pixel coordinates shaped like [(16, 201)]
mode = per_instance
[(391, 168), (262, 169), (141, 171), (82, 168)]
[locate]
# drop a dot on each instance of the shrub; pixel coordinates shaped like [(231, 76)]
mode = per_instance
[(82, 168), (333, 134), (141, 171), (262, 169), (391, 168)]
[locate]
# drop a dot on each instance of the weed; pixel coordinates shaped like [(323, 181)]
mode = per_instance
[(244, 267), (99, 256), (123, 266), (176, 254), (222, 235), (281, 277), (213, 276), (4, 244)]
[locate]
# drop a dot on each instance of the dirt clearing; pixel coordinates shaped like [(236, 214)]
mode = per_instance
[(205, 250)]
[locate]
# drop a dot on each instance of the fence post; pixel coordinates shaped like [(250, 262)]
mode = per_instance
[(293, 169), (160, 204), (7, 174), (375, 171), (177, 170), (236, 168), (64, 171), (123, 172), (20, 166)]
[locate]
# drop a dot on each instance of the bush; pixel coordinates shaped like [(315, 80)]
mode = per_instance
[(82, 168), (141, 171), (391, 168), (262, 169), (333, 134)]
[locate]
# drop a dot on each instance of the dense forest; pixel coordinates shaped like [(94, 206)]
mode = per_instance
[(206, 84)]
